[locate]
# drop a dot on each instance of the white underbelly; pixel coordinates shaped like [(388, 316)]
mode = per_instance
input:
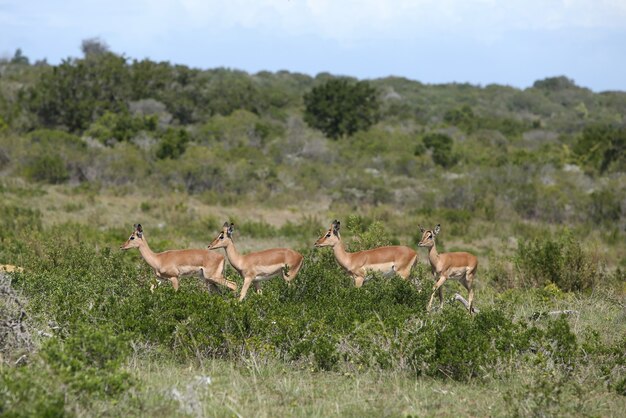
[(457, 273), (384, 268), (267, 272)]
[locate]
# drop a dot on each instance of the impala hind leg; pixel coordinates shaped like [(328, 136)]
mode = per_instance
[(469, 285), (174, 281), (257, 287), (290, 272), (358, 281), (436, 287)]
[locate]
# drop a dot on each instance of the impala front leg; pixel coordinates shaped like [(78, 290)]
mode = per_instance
[(247, 281), (174, 281), (440, 282)]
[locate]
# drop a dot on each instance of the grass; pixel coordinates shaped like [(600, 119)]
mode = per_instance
[(265, 389)]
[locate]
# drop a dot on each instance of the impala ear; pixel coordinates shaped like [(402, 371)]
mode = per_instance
[(225, 225), (336, 227), (139, 230), (230, 230), (421, 228), (437, 229)]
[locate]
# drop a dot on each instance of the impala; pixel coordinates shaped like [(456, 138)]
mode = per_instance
[(258, 266), (459, 266), (170, 265), (392, 259)]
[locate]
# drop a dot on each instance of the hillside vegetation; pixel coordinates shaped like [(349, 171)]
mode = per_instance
[(532, 181)]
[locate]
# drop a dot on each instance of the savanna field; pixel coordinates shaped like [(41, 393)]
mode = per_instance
[(532, 182)]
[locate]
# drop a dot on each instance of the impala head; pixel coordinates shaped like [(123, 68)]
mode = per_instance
[(223, 238), (330, 237), (135, 239), (428, 236)]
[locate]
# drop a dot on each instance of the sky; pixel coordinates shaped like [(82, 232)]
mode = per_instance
[(509, 42)]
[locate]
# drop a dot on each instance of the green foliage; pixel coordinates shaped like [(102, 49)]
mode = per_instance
[(555, 83), (462, 117), (114, 127), (173, 144), (561, 261), (340, 108), (30, 392), (76, 92), (441, 146), (16, 219), (602, 147), (89, 360), (47, 168)]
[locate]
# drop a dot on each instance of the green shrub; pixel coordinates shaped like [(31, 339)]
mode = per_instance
[(441, 146), (89, 360), (47, 168), (173, 144), (31, 392), (561, 261)]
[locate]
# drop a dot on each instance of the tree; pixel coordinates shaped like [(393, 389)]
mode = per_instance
[(19, 57), (603, 147), (441, 145), (76, 92), (340, 108), (94, 47)]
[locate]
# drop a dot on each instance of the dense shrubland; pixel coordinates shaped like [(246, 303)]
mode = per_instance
[(531, 180)]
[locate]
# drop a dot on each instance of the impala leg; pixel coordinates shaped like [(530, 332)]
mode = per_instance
[(440, 292), (358, 281), (174, 281), (220, 280), (257, 287), (436, 287), (247, 281), (469, 285)]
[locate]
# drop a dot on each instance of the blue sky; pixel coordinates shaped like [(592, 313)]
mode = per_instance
[(513, 42)]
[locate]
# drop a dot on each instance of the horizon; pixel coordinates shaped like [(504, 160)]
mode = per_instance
[(479, 42)]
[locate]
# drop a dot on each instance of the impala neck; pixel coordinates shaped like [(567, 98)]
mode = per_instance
[(342, 256), (433, 255), (149, 255), (234, 258)]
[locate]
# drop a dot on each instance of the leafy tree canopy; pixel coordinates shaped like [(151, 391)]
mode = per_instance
[(340, 108)]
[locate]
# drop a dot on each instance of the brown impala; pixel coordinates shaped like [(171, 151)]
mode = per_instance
[(396, 259), (259, 266), (170, 265), (457, 266)]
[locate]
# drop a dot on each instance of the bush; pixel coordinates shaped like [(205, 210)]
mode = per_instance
[(561, 261), (340, 108), (441, 146), (89, 360), (47, 168)]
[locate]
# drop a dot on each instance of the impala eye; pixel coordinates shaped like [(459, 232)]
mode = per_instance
[(328, 235), (132, 237), (221, 236)]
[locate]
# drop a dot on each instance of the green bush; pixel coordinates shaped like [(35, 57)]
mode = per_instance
[(89, 360), (561, 261), (441, 146), (47, 168)]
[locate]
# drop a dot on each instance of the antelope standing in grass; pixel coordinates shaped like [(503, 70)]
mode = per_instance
[(170, 265), (258, 266), (459, 266), (396, 259)]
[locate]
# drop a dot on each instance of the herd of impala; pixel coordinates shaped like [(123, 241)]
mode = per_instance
[(262, 265)]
